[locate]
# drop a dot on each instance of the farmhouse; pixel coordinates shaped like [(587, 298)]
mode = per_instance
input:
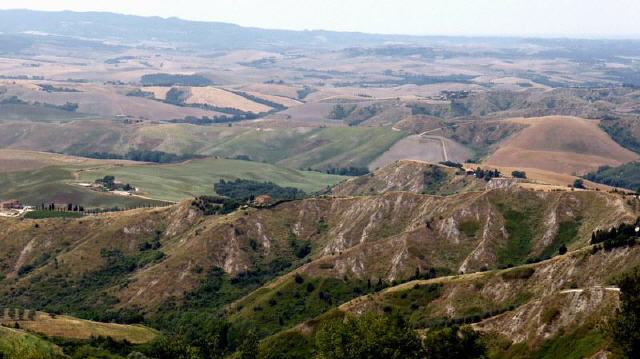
[(11, 204), (262, 200)]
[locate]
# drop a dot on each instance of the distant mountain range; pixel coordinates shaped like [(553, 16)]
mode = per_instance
[(20, 29), (182, 33)]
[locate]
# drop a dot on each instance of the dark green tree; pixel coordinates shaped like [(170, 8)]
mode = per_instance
[(626, 324), (454, 342), (369, 336), (249, 347)]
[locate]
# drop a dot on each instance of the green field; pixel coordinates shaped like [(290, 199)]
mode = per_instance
[(318, 148), (53, 184), (174, 182)]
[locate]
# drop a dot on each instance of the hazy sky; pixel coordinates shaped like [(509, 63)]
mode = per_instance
[(572, 18)]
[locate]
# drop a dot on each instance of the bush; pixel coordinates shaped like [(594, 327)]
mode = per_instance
[(562, 250), (518, 273), (519, 174)]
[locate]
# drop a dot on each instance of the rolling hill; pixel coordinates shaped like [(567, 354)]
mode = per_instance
[(561, 144), (297, 147), (38, 177), (175, 182)]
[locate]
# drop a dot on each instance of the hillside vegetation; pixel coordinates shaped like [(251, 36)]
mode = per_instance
[(625, 176)]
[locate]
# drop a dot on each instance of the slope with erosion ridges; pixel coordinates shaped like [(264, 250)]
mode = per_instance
[(526, 309), (482, 292), (381, 236), (562, 144), (445, 247)]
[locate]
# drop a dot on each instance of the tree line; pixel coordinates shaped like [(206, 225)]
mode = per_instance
[(141, 156)]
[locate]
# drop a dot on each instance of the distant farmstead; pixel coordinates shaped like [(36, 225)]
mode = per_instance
[(11, 204), (262, 200)]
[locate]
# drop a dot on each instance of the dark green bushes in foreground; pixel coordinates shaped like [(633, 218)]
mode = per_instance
[(379, 336), (626, 325)]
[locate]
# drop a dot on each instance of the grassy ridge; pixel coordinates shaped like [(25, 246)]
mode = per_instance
[(184, 180)]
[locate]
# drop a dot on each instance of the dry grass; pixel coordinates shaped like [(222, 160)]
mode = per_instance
[(284, 101), (561, 144), (159, 92), (542, 180), (220, 98), (19, 160), (422, 148), (63, 326)]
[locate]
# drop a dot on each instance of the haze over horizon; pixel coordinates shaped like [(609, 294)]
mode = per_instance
[(546, 18)]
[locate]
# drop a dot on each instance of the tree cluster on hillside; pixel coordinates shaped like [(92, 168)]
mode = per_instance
[(140, 155), (578, 183), (451, 164), (433, 178), (304, 92), (15, 100), (347, 171), (625, 176), (109, 183), (176, 96), (140, 93), (340, 112), (487, 174), (211, 205), (622, 235), (276, 106), (244, 190), (206, 120), (519, 174), (620, 134), (51, 88), (363, 114)]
